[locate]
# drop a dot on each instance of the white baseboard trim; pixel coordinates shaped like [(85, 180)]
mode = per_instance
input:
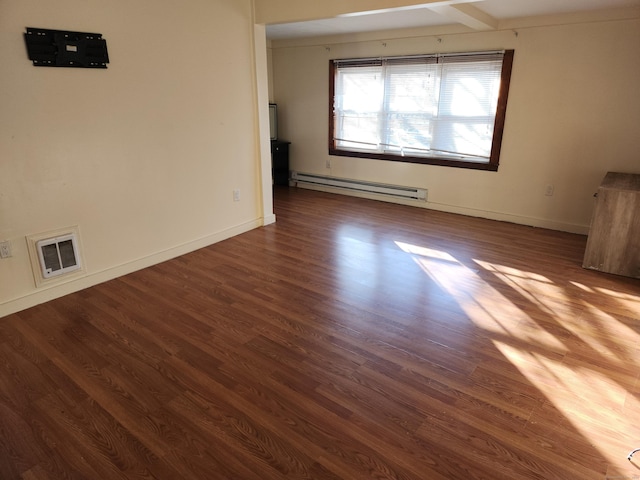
[(269, 219), (507, 217), (43, 295), (471, 212)]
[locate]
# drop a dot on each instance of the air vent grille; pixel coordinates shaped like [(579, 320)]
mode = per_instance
[(58, 255)]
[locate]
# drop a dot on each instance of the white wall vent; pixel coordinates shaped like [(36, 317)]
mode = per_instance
[(58, 255)]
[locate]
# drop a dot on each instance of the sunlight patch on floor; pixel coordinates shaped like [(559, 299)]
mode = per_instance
[(527, 284), (589, 395), (425, 252), (483, 304)]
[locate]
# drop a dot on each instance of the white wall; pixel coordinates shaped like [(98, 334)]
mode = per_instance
[(573, 115), (142, 156)]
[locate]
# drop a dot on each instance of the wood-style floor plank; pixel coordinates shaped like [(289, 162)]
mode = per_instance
[(353, 339)]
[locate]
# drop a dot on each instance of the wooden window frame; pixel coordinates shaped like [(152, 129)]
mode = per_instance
[(496, 144)]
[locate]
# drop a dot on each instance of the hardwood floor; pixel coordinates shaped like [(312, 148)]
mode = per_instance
[(353, 339)]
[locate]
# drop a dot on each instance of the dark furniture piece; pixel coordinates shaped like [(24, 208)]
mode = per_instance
[(280, 162)]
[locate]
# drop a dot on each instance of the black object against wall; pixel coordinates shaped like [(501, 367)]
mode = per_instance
[(280, 162), (61, 48)]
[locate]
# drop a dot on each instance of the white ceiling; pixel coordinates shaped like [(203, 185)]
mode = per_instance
[(477, 14)]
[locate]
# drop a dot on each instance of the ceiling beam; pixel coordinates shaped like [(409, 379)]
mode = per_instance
[(467, 14), (285, 11)]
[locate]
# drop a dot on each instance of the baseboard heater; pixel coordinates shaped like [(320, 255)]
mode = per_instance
[(361, 186)]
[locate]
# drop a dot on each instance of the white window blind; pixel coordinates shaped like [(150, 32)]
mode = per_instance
[(430, 106)]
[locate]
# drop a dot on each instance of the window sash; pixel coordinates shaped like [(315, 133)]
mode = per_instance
[(424, 109)]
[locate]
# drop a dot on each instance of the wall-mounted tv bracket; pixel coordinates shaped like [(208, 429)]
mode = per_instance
[(61, 48)]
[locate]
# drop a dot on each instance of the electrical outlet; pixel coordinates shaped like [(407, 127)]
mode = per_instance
[(328, 163), (5, 249), (236, 195), (549, 191)]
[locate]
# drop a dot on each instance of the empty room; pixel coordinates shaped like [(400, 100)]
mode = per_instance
[(266, 239)]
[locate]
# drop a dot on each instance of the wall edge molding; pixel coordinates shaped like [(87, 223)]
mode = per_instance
[(94, 278)]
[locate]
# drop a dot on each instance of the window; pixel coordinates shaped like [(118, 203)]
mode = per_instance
[(433, 109)]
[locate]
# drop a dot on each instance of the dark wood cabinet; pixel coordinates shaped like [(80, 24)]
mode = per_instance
[(280, 162), (613, 245)]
